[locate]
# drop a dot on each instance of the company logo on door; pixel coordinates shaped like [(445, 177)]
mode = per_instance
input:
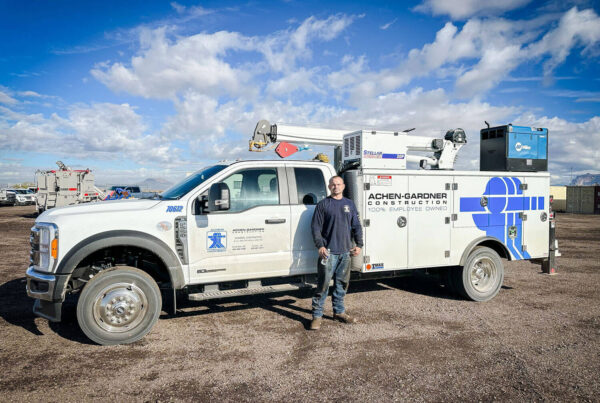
[(216, 241)]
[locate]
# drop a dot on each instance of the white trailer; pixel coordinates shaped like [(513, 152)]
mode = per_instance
[(244, 228), (64, 187)]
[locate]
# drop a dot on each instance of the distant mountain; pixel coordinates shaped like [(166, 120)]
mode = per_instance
[(157, 185), (586, 180)]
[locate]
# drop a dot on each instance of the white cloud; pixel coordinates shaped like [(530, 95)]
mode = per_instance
[(7, 99), (576, 28), (572, 145), (463, 9), (178, 7), (164, 68), (388, 24), (493, 66), (105, 131), (300, 80), (480, 55)]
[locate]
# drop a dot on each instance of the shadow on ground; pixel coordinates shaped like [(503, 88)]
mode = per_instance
[(16, 306)]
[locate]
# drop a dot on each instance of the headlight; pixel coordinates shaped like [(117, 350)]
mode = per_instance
[(44, 246)]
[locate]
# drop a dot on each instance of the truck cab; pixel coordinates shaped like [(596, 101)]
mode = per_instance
[(243, 222)]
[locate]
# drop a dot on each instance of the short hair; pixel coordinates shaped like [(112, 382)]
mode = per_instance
[(336, 176)]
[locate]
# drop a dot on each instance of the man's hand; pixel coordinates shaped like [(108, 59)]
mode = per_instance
[(355, 251), (323, 252)]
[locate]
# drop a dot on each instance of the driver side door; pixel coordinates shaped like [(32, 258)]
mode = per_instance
[(249, 240)]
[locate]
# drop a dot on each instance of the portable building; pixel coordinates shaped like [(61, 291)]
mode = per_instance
[(583, 199), (559, 194)]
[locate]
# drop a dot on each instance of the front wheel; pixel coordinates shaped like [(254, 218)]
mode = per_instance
[(480, 279), (119, 306)]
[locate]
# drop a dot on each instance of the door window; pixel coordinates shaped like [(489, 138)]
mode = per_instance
[(310, 185), (252, 187)]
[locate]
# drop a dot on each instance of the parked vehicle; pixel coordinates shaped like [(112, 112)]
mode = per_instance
[(23, 197), (244, 227), (7, 197)]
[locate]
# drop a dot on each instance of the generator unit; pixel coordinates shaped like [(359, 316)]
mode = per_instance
[(514, 148)]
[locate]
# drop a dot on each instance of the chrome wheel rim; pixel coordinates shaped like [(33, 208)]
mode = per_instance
[(483, 274), (120, 307)]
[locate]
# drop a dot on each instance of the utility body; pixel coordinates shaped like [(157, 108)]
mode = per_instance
[(244, 227)]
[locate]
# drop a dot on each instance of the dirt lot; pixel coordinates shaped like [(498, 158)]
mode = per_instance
[(539, 339)]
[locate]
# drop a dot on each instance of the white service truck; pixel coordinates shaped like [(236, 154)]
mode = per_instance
[(63, 187), (244, 228)]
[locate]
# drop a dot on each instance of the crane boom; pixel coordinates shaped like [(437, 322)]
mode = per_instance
[(445, 150), (266, 133)]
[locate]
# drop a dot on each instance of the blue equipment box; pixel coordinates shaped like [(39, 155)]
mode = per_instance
[(514, 148)]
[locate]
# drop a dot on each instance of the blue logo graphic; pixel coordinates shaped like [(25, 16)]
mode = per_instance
[(499, 217), (216, 241), (174, 209)]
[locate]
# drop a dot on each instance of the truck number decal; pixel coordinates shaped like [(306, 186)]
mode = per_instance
[(174, 209)]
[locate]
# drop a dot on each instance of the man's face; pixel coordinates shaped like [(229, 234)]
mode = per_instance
[(336, 186)]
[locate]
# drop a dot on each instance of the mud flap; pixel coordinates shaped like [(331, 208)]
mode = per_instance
[(48, 310), (549, 265)]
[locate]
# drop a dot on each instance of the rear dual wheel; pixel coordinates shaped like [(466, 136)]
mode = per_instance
[(119, 306)]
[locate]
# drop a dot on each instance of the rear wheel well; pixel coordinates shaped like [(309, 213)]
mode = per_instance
[(120, 255), (497, 247)]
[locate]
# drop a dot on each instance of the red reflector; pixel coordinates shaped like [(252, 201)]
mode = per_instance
[(72, 189), (85, 194), (285, 149)]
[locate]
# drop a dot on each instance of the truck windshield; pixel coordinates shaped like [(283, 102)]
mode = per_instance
[(178, 190)]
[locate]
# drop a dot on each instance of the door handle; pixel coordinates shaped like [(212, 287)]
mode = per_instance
[(274, 220)]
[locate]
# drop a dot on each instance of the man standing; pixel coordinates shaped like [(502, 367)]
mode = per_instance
[(334, 223)]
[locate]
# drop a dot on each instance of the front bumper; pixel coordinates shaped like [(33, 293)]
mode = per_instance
[(49, 292)]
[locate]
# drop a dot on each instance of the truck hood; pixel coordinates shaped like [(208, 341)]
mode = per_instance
[(100, 207)]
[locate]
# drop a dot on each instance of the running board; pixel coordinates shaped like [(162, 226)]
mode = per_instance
[(212, 294)]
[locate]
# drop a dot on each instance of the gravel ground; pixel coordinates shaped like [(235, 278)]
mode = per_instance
[(538, 339)]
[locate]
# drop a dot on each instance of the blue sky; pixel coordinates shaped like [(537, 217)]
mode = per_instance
[(142, 89)]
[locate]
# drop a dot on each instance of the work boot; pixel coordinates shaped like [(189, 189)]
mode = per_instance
[(344, 318), (315, 324)]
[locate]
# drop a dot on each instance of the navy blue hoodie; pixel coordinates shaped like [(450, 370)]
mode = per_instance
[(335, 223)]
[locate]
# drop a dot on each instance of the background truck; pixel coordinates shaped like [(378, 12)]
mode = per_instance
[(64, 186), (244, 227)]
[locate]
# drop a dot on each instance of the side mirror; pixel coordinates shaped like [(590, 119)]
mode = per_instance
[(218, 197)]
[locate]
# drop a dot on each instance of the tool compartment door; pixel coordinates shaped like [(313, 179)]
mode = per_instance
[(536, 228), (386, 242), (430, 208)]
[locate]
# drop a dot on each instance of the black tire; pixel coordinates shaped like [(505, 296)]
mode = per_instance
[(480, 279), (119, 306)]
